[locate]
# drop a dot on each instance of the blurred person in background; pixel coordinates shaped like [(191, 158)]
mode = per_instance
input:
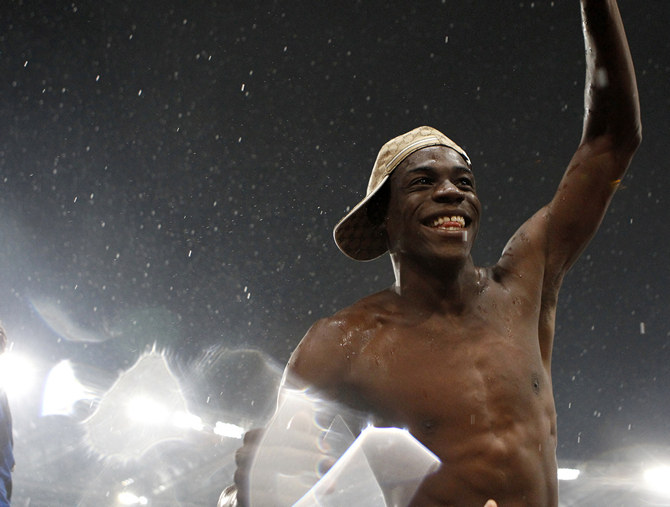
[(6, 439)]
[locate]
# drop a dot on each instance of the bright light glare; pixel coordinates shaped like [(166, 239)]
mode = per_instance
[(658, 479), (146, 410), (128, 498), (62, 390), (187, 421), (568, 474), (17, 374), (228, 430)]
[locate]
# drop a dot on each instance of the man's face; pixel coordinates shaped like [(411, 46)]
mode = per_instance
[(433, 208)]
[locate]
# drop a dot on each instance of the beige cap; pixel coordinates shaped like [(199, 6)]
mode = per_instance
[(356, 235)]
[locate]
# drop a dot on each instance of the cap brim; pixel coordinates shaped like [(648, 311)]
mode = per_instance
[(357, 236)]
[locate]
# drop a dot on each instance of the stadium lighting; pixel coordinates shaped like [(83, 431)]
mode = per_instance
[(568, 474), (128, 498), (658, 479), (187, 421), (228, 430), (145, 410), (17, 374), (62, 390)]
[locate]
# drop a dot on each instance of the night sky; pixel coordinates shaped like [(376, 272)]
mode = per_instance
[(170, 173)]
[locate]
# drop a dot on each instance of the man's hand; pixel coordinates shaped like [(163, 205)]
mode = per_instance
[(305, 453), (243, 459)]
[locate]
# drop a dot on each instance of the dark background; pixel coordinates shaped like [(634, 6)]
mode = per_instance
[(170, 173)]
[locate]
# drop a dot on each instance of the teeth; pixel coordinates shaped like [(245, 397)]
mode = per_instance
[(453, 219)]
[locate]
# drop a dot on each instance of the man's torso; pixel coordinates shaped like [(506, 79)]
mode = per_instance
[(472, 387)]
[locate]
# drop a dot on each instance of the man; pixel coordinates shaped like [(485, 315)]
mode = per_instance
[(6, 440), (458, 354)]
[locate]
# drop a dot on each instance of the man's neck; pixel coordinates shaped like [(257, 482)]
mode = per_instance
[(448, 286)]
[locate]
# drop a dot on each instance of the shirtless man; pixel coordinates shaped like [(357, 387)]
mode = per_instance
[(458, 354)]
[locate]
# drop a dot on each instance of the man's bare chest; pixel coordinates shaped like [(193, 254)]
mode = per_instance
[(453, 370)]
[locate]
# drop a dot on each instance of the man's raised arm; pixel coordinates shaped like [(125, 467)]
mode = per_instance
[(612, 108), (611, 135)]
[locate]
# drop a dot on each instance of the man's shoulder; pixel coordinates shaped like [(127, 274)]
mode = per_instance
[(362, 313), (323, 357), (347, 324)]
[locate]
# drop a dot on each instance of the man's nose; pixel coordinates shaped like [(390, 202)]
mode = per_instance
[(446, 191)]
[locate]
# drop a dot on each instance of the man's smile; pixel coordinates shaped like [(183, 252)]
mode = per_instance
[(448, 222), (451, 221)]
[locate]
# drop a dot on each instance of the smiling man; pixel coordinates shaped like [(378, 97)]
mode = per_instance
[(459, 354)]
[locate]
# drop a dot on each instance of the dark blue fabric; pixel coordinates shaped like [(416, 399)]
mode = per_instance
[(6, 451)]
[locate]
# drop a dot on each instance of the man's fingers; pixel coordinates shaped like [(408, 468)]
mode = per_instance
[(305, 451), (253, 435), (243, 457), (249, 445)]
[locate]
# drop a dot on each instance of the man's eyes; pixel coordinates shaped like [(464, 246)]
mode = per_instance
[(423, 180)]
